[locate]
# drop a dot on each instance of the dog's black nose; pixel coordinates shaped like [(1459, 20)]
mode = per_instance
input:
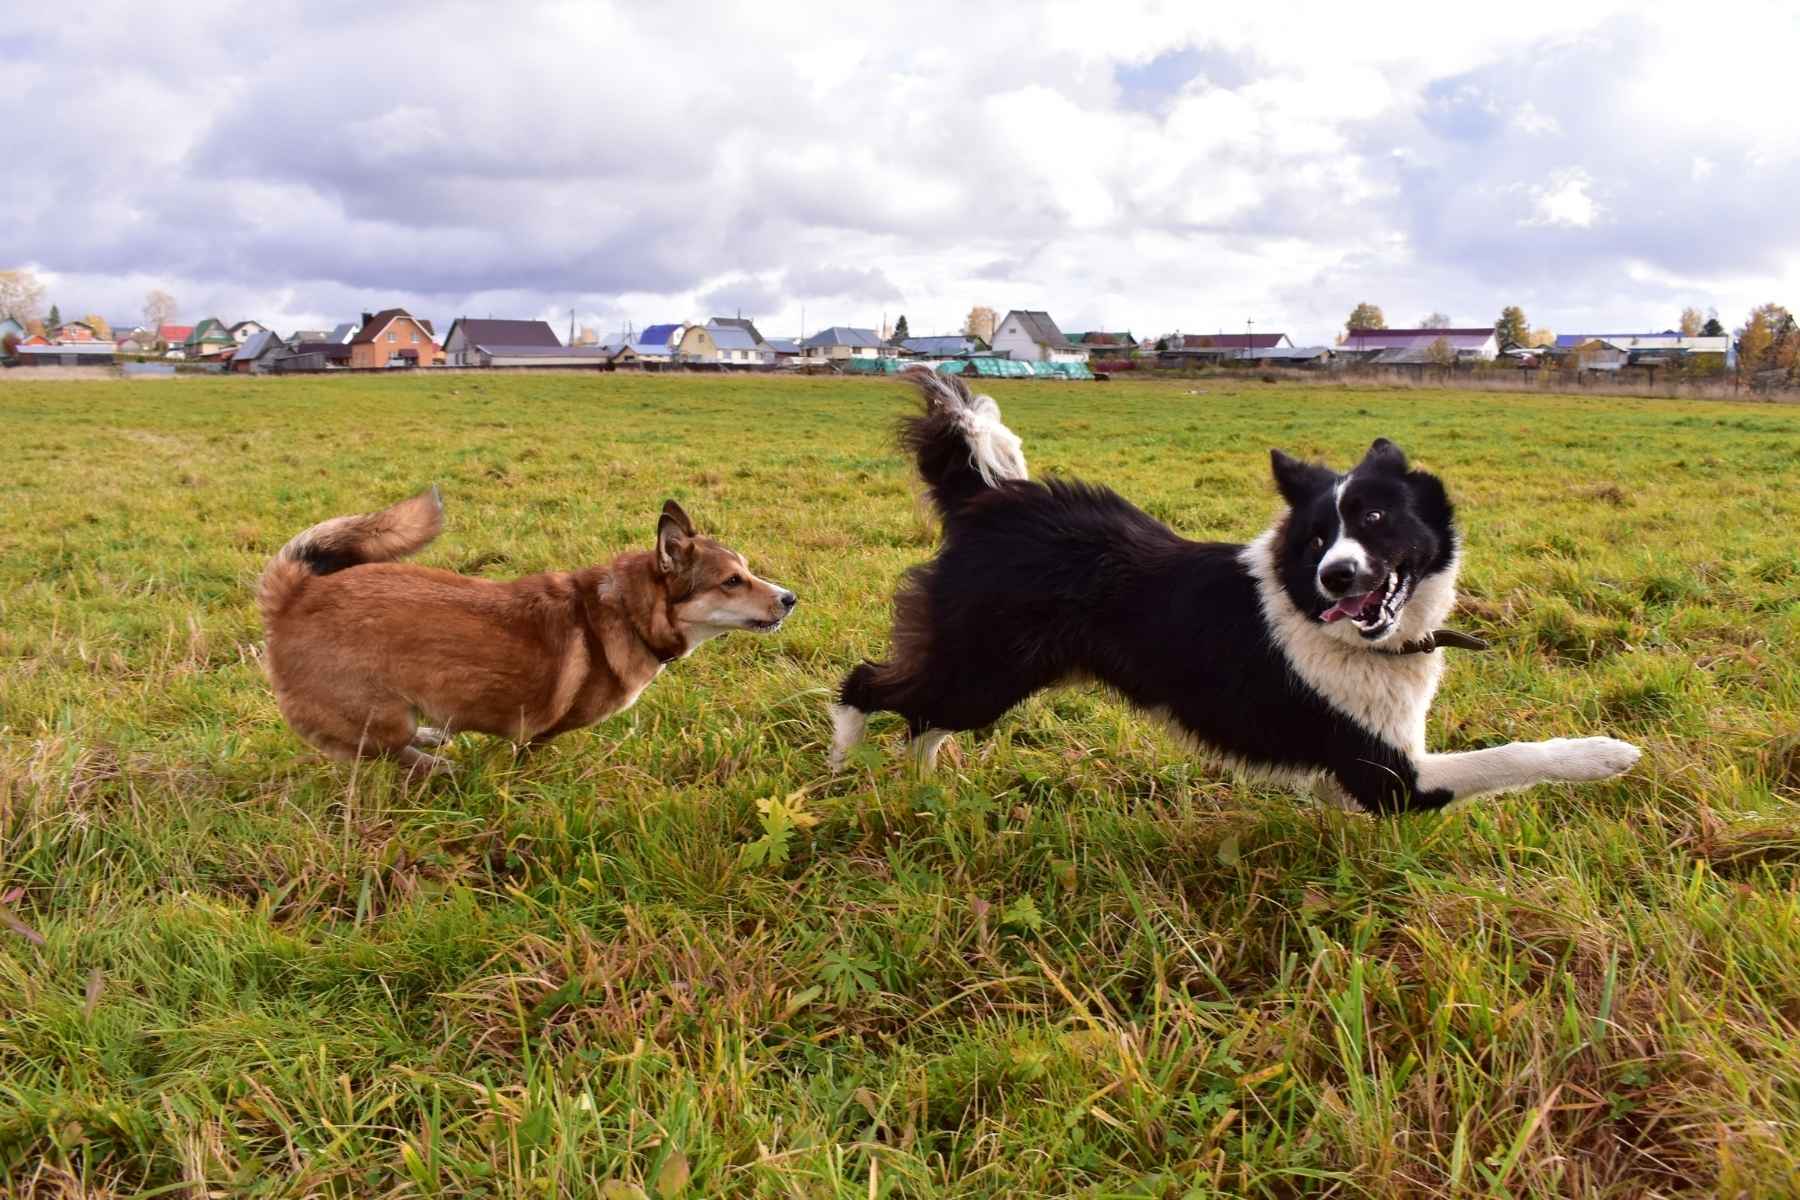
[(788, 600), (1337, 577)]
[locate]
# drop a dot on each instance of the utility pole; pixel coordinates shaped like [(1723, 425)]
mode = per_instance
[(1249, 340)]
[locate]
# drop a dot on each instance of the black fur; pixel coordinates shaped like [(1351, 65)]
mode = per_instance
[(1043, 583)]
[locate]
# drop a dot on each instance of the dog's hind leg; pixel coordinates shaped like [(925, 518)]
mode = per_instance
[(924, 749), (847, 726), (427, 737)]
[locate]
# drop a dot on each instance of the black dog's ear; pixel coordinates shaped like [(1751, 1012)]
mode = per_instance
[(1298, 481), (1383, 455)]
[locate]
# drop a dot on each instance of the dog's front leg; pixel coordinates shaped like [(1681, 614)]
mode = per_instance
[(1522, 764)]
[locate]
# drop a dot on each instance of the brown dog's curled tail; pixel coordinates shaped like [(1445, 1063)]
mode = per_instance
[(341, 542)]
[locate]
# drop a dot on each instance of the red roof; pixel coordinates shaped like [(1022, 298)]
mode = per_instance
[(174, 333)]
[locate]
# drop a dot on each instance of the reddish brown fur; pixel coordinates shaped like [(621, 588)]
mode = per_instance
[(358, 653)]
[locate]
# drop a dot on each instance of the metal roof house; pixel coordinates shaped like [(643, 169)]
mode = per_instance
[(959, 345), (841, 342), (1466, 344), (259, 353), (1030, 335), (470, 337), (736, 346), (1650, 349), (67, 354)]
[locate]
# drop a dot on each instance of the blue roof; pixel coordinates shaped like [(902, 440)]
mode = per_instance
[(1565, 341), (661, 335), (255, 344), (784, 345)]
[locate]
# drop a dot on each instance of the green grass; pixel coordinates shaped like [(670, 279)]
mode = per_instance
[(673, 954)]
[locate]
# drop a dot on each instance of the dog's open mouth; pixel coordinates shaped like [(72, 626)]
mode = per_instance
[(1373, 612), (768, 626)]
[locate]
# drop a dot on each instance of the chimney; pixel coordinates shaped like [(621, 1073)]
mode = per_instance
[(367, 317)]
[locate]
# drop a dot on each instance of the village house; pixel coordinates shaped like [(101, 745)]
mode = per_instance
[(656, 344), (243, 331), (696, 345), (485, 342), (842, 342), (74, 331), (1610, 351), (11, 327), (173, 337), (740, 343), (258, 354), (1106, 345), (393, 337), (209, 336), (1029, 335), (956, 345), (39, 351)]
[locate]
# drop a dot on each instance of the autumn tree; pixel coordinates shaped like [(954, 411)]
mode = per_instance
[(1441, 353), (1512, 328), (1366, 316), (97, 323), (21, 295), (1691, 321), (900, 330), (159, 308), (1769, 339), (1543, 337), (1435, 320), (980, 323)]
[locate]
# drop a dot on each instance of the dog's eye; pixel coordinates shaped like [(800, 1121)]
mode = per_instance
[(1372, 517), (1318, 543), (734, 581)]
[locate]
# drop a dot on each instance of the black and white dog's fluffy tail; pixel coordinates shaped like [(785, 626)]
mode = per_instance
[(959, 443)]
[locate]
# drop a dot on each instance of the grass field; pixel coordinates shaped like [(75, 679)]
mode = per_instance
[(674, 956)]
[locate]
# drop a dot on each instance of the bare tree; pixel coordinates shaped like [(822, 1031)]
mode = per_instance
[(159, 308), (21, 295), (1435, 320), (980, 323), (1441, 353), (1692, 320)]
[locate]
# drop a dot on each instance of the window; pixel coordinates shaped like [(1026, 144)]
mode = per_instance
[(415, 337), (392, 336)]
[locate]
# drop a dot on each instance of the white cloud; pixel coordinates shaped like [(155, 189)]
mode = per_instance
[(1564, 201)]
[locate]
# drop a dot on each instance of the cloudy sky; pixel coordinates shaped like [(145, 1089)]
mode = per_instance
[(1124, 165)]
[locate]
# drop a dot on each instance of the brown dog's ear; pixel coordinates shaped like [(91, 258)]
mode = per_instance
[(676, 513), (674, 539)]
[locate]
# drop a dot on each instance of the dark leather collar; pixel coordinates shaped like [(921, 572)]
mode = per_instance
[(1431, 641)]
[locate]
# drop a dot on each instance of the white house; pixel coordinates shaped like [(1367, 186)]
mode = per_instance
[(243, 331), (1415, 345), (1031, 336)]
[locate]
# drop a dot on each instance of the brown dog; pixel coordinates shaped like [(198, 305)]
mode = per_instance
[(361, 646)]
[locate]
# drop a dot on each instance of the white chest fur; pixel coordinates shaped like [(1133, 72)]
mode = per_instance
[(1387, 694)]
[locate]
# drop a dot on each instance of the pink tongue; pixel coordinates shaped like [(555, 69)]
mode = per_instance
[(1349, 606)]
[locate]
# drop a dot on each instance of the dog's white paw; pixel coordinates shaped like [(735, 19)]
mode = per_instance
[(430, 735), (847, 725), (1581, 760)]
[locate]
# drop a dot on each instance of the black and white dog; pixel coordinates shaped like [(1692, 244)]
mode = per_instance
[(1310, 654)]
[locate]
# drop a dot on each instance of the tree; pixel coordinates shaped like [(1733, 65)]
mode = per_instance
[(9, 347), (1691, 321), (159, 308), (1543, 337), (980, 323), (1768, 338), (97, 323), (1366, 316), (1512, 329), (1712, 328), (21, 295), (1441, 353), (1435, 320), (900, 332), (55, 321)]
